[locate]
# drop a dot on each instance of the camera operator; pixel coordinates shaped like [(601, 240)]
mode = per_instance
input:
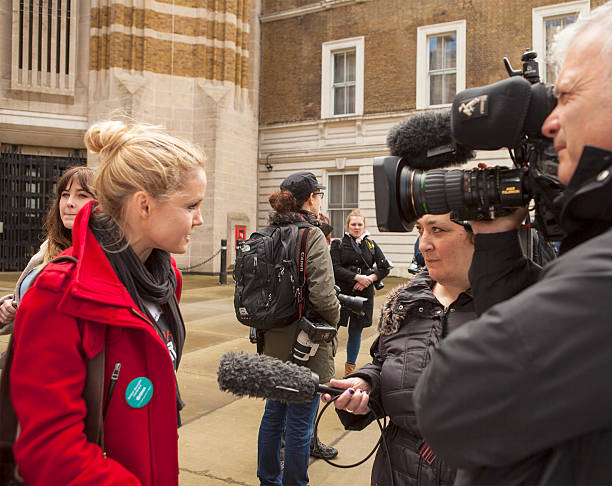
[(522, 395)]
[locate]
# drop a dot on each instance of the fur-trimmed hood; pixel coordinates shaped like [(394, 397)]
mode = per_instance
[(418, 289), (414, 296), (279, 219)]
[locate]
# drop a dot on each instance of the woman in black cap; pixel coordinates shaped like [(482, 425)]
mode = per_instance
[(298, 200)]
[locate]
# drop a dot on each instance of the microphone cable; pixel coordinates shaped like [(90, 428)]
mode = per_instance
[(381, 439)]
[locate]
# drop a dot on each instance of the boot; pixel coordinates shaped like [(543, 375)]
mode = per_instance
[(348, 368), (322, 451)]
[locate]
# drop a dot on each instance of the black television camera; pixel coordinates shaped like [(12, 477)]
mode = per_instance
[(508, 114)]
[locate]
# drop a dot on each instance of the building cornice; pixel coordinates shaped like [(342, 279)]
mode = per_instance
[(308, 9)]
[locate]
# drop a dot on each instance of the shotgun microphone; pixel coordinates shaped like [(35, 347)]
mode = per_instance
[(424, 141), (259, 376)]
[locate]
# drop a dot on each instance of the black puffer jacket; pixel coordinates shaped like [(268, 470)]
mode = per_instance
[(348, 262), (411, 325)]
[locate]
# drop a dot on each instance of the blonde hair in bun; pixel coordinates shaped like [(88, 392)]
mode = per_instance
[(138, 158)]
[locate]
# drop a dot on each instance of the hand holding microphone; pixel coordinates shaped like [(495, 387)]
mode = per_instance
[(355, 398)]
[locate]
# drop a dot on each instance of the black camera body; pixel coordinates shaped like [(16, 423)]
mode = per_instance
[(353, 303), (508, 114), (312, 332)]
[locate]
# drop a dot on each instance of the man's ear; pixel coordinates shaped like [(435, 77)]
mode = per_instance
[(142, 203)]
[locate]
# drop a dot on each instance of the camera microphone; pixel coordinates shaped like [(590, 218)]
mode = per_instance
[(424, 141), (260, 376)]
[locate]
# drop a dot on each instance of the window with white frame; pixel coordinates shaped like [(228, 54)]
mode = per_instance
[(342, 78), (440, 63), (343, 191), (546, 22)]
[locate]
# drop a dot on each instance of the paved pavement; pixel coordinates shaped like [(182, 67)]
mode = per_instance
[(218, 439)]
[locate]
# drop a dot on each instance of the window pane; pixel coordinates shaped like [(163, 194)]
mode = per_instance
[(335, 191), (552, 26), (450, 87), (351, 196), (338, 68), (350, 66), (337, 221), (435, 53), (350, 102), (339, 101), (450, 51), (435, 89)]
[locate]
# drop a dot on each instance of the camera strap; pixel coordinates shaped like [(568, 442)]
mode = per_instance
[(301, 276), (357, 249)]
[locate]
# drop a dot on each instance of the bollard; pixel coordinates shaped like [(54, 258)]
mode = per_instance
[(223, 270)]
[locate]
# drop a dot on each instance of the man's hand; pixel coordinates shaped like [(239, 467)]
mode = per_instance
[(7, 312), (502, 224), (356, 397)]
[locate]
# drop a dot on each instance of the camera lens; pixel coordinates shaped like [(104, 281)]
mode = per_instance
[(430, 192), (471, 194)]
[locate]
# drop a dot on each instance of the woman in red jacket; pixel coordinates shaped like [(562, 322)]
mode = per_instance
[(119, 297)]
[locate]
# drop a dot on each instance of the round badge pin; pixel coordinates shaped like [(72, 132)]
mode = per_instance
[(139, 392)]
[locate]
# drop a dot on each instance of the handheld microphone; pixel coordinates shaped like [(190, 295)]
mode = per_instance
[(259, 376), (424, 141)]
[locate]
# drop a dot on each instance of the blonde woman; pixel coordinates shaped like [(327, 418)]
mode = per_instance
[(119, 296), (358, 264)]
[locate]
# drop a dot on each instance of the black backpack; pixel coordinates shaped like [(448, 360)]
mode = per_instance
[(269, 285)]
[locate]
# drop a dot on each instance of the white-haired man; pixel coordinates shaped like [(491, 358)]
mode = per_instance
[(523, 394)]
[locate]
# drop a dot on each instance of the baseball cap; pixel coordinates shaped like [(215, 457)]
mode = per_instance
[(301, 185)]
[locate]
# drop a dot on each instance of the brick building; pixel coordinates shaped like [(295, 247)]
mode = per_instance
[(337, 74), (266, 87)]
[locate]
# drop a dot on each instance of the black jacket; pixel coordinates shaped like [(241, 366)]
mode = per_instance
[(411, 325), (522, 395), (350, 259)]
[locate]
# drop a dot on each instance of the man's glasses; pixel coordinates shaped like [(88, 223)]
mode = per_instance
[(319, 194)]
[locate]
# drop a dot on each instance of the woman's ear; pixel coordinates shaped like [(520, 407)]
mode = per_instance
[(141, 202)]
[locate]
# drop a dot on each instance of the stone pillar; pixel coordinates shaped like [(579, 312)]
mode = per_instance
[(186, 65)]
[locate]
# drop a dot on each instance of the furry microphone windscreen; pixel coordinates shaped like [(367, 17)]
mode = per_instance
[(413, 137), (260, 376)]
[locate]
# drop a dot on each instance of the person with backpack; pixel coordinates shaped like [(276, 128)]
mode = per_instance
[(297, 202), (114, 294), (359, 267), (73, 191)]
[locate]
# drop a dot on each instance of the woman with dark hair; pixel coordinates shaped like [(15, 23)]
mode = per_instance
[(73, 190), (414, 319), (298, 201)]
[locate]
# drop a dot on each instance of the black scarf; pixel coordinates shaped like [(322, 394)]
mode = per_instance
[(152, 281)]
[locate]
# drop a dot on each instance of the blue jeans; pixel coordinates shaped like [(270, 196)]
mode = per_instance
[(297, 419), (353, 344)]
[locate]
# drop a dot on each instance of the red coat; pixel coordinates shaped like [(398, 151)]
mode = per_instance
[(60, 325)]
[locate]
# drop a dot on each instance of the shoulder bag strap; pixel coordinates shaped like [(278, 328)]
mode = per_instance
[(8, 422), (94, 398), (357, 249)]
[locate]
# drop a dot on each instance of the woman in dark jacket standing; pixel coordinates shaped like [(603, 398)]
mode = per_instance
[(414, 319), (354, 258)]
